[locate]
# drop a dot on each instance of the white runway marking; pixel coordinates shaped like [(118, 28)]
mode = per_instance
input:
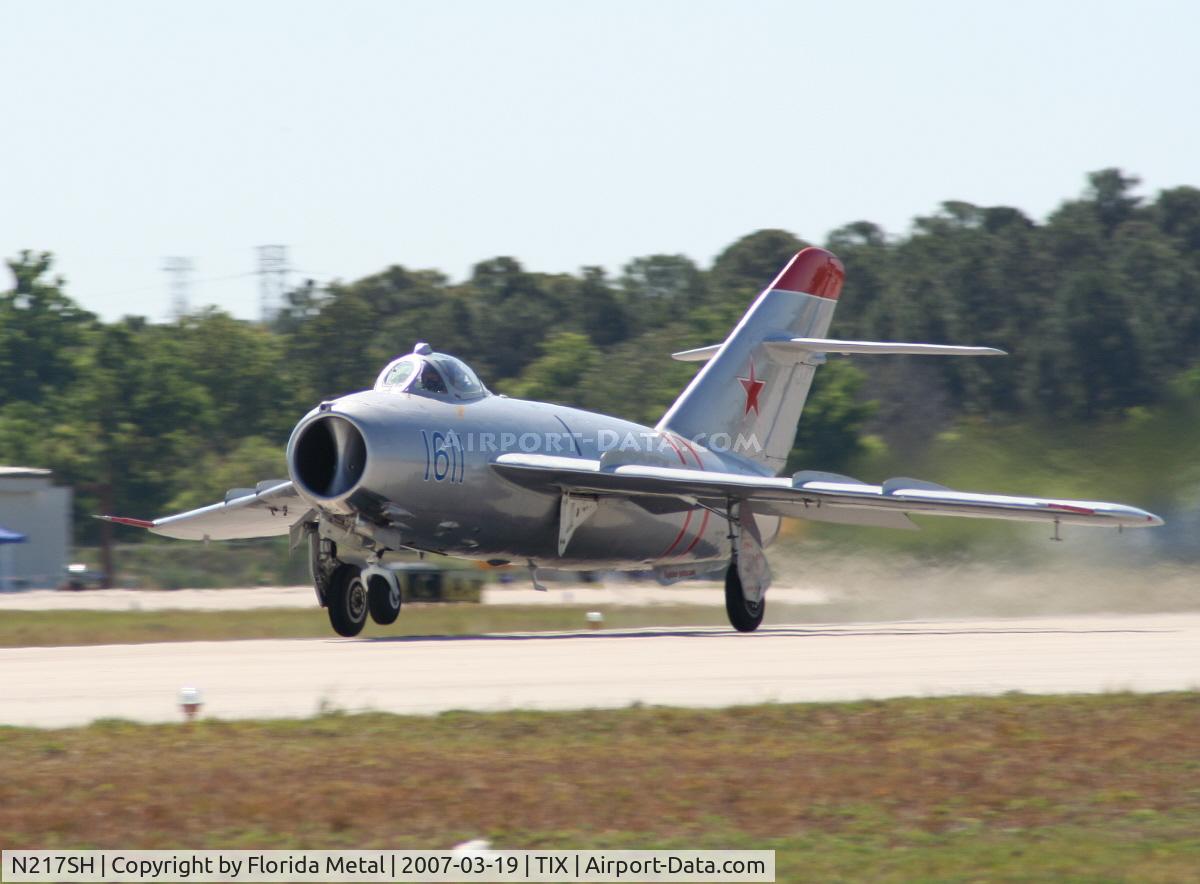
[(50, 687)]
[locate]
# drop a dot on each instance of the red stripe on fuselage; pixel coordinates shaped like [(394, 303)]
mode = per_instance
[(671, 442), (679, 536), (699, 534), (707, 513), (690, 448), (688, 520)]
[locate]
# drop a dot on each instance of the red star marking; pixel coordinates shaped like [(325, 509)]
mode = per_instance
[(753, 386)]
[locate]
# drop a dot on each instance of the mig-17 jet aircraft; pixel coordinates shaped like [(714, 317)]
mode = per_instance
[(429, 460)]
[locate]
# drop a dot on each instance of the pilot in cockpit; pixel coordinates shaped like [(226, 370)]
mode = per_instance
[(431, 380)]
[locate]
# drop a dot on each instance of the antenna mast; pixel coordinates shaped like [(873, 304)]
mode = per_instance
[(179, 273), (272, 280)]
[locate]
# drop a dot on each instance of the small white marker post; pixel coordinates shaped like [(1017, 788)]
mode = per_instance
[(190, 701), (595, 619)]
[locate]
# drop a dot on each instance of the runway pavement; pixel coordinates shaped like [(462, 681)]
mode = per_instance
[(687, 667), (250, 598), (246, 599)]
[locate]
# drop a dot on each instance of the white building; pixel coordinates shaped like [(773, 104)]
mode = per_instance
[(31, 505)]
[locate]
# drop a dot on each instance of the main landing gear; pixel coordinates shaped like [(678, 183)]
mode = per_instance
[(748, 575), (744, 615), (353, 593)]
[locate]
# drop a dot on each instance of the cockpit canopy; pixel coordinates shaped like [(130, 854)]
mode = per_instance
[(436, 374)]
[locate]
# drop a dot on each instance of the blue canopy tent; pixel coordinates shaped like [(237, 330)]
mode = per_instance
[(7, 539)]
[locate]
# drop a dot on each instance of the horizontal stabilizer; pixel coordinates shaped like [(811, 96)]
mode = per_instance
[(700, 354), (878, 348), (799, 346)]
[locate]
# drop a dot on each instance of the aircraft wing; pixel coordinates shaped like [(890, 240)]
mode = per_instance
[(268, 510), (809, 495)]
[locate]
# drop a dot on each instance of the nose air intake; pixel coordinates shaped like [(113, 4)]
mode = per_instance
[(329, 457)]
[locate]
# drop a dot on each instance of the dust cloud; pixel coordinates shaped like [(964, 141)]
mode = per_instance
[(888, 588)]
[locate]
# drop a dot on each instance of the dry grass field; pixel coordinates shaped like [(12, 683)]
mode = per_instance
[(1007, 788)]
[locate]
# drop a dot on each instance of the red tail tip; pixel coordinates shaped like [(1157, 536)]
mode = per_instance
[(813, 271)]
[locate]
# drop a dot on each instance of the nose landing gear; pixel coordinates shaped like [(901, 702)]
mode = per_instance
[(354, 593), (347, 601), (383, 595)]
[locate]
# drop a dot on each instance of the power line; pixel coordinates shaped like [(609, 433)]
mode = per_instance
[(150, 288)]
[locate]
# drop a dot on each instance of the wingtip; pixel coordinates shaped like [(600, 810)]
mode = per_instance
[(125, 520), (1139, 518)]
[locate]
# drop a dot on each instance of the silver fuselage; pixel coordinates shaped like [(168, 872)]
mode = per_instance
[(426, 473)]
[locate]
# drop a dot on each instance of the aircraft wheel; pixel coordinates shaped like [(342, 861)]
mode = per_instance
[(383, 599), (347, 601), (744, 615)]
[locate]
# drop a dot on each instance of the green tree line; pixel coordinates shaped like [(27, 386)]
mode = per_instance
[(1099, 306)]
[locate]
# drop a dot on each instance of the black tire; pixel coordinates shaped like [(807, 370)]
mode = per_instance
[(744, 616), (347, 601), (383, 600)]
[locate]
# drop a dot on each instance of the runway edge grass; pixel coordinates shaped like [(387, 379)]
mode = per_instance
[(1086, 787)]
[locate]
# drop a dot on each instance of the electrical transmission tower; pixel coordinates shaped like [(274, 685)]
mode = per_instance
[(179, 274), (272, 280)]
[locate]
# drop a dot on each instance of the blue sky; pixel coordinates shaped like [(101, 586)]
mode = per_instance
[(363, 134)]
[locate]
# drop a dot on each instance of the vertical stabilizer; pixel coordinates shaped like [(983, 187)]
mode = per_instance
[(747, 400)]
